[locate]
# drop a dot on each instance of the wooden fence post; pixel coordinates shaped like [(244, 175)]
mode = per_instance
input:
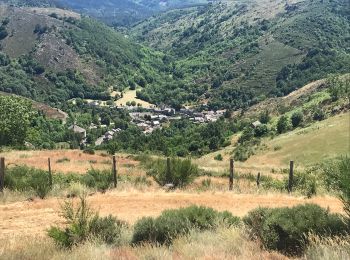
[(232, 169), (2, 174), (114, 171), (258, 179), (291, 173), (50, 173)]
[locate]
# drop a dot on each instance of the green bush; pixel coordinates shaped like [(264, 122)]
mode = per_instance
[(99, 179), (283, 124), (297, 118), (106, 229), (337, 178), (180, 173), (319, 115), (218, 157), (83, 224), (173, 223), (305, 182), (23, 178), (89, 150), (285, 229)]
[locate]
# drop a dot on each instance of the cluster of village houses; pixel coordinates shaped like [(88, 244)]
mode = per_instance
[(151, 119)]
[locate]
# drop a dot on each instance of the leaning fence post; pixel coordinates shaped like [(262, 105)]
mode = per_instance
[(114, 171), (2, 174), (291, 173), (50, 173), (232, 169), (258, 179)]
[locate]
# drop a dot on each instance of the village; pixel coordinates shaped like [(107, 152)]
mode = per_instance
[(149, 119)]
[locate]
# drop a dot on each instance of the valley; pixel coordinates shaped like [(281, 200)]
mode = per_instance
[(167, 129)]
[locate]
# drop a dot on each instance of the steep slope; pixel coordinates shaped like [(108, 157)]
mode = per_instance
[(52, 55), (241, 52), (113, 12)]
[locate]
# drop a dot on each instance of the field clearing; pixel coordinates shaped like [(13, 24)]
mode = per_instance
[(306, 146), (129, 96), (79, 162), (33, 218)]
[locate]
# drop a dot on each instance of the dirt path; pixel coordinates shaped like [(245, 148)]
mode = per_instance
[(33, 218)]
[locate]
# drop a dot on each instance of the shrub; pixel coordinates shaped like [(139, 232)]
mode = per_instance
[(83, 224), (180, 173), (100, 179), (206, 183), (319, 115), (65, 159), (337, 178), (283, 124), (76, 189), (305, 182), (23, 178), (218, 157), (261, 130), (106, 229), (284, 229), (297, 118), (89, 150), (172, 223)]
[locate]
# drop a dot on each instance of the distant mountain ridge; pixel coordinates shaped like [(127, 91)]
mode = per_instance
[(113, 12)]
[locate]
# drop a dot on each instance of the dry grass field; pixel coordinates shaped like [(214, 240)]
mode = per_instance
[(129, 96), (66, 161), (34, 217), (25, 219)]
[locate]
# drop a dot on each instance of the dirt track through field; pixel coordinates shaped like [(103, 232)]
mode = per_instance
[(33, 218)]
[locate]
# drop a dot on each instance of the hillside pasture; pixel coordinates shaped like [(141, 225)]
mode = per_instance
[(306, 146), (70, 161)]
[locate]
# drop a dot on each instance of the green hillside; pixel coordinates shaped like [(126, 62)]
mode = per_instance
[(53, 55), (237, 53)]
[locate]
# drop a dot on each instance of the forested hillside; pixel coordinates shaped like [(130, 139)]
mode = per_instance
[(233, 54), (221, 55), (53, 55), (113, 12)]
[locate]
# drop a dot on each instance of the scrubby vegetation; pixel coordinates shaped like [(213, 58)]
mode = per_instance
[(285, 229), (173, 223), (176, 171), (337, 177), (22, 178), (84, 224)]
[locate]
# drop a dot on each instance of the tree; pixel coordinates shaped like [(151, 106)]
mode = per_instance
[(15, 117), (112, 148), (264, 117), (319, 115), (283, 124), (261, 130), (297, 118)]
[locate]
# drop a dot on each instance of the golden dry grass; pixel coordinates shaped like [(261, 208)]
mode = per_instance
[(79, 162), (34, 217), (220, 244), (129, 96)]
